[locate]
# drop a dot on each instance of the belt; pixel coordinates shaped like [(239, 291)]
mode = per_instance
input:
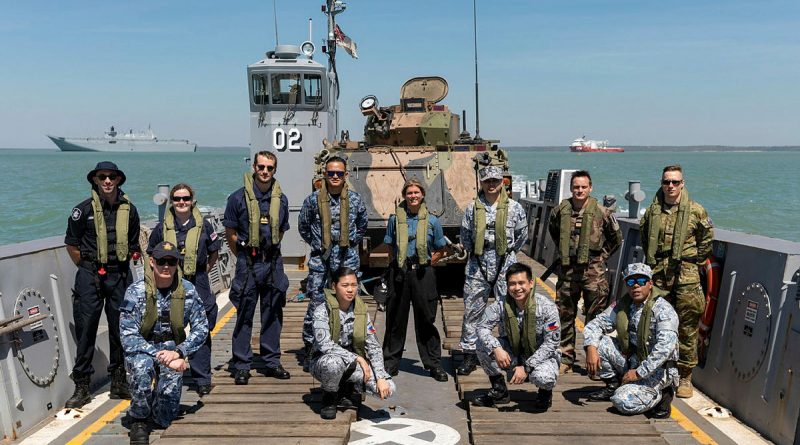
[(161, 338), (113, 267)]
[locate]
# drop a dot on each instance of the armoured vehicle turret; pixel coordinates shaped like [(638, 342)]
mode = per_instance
[(418, 138)]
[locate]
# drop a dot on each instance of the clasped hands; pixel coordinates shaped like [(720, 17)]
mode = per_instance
[(172, 360)]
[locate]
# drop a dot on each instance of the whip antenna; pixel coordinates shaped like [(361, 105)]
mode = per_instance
[(475, 35), (275, 18)]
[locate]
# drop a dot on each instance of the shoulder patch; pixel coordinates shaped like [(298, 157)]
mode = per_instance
[(76, 214), (370, 328), (213, 236)]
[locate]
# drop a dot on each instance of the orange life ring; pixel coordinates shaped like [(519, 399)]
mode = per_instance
[(713, 278)]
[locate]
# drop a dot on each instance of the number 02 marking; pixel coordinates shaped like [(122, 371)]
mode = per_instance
[(282, 139)]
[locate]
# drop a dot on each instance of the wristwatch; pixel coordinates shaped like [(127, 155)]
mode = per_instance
[(180, 353)]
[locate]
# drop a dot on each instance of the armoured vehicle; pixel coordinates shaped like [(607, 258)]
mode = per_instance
[(419, 139)]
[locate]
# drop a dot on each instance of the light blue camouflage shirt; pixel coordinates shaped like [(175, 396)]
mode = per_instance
[(548, 329), (309, 225), (132, 312), (663, 338), (516, 232), (324, 344)]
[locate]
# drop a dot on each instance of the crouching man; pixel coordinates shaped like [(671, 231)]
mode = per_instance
[(346, 353), (528, 343), (153, 316), (639, 366)]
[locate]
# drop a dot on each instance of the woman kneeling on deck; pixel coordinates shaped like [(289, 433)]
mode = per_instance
[(355, 357)]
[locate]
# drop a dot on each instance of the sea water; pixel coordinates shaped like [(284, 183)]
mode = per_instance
[(756, 192)]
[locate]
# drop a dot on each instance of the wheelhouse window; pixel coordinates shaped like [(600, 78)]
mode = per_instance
[(277, 90), (286, 89), (312, 89), (260, 89)]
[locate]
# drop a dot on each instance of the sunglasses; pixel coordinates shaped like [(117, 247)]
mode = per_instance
[(182, 198), (103, 176), (671, 181), (641, 281), (261, 167), (167, 261), (335, 174)]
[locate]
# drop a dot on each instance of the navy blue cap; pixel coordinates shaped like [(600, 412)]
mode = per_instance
[(165, 249), (106, 165)]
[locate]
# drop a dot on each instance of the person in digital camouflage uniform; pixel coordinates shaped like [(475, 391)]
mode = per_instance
[(585, 234), (333, 221), (638, 365), (154, 313), (677, 236), (346, 354), (527, 347), (493, 230)]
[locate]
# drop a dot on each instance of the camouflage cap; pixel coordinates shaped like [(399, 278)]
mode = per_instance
[(165, 249), (490, 172), (637, 269)]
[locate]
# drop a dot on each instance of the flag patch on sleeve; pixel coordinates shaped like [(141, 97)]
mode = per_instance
[(370, 329), (552, 326)]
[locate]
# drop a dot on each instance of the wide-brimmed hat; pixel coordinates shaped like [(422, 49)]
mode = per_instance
[(106, 165), (165, 249), (640, 269)]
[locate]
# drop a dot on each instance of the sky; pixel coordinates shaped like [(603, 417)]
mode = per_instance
[(635, 72)]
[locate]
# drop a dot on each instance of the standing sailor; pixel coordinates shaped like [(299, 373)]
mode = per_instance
[(256, 217), (155, 312), (416, 239), (198, 246), (493, 230), (346, 350), (333, 220), (102, 236), (641, 358), (586, 234), (527, 347), (676, 237)]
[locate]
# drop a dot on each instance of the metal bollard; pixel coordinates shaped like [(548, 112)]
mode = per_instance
[(634, 196)]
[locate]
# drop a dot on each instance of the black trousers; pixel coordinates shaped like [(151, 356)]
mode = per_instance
[(90, 295), (200, 361), (418, 288)]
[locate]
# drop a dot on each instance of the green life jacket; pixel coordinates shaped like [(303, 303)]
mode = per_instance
[(590, 211), (176, 308), (324, 204), (254, 212), (527, 343), (681, 226), (642, 330), (401, 228), (192, 242), (121, 227), (500, 243), (360, 327)]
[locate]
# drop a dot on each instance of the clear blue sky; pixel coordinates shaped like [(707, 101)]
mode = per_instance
[(636, 72)]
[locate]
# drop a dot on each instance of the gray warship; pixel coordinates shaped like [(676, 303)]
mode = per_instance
[(749, 351)]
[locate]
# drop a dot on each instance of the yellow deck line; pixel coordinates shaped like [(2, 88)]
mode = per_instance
[(106, 418), (678, 416)]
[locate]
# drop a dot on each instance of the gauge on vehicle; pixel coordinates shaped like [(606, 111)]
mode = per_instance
[(307, 48), (369, 102)]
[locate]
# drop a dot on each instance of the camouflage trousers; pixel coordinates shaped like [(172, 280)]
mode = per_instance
[(589, 282), (476, 295), (641, 395), (162, 402), (329, 369), (689, 302), (543, 376), (315, 285)]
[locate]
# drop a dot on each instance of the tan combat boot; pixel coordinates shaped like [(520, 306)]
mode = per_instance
[(685, 389)]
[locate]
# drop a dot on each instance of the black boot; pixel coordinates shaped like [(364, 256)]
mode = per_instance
[(544, 399), (328, 410), (664, 407), (82, 395), (119, 385), (468, 365), (498, 395), (139, 434), (604, 395)]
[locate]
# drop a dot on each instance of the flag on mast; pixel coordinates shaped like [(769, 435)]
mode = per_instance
[(346, 42)]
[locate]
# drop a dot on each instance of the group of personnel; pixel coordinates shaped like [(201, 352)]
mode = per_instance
[(652, 353)]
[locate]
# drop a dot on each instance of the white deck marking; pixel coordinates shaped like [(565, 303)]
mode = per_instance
[(401, 432)]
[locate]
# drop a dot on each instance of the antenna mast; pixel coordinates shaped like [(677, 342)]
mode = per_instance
[(275, 18), (475, 35)]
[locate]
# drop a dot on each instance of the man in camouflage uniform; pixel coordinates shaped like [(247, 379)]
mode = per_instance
[(321, 223), (493, 230), (527, 346), (586, 234), (676, 235), (346, 350), (153, 316), (643, 353)]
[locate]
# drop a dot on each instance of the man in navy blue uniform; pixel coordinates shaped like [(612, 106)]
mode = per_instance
[(102, 237), (256, 217)]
